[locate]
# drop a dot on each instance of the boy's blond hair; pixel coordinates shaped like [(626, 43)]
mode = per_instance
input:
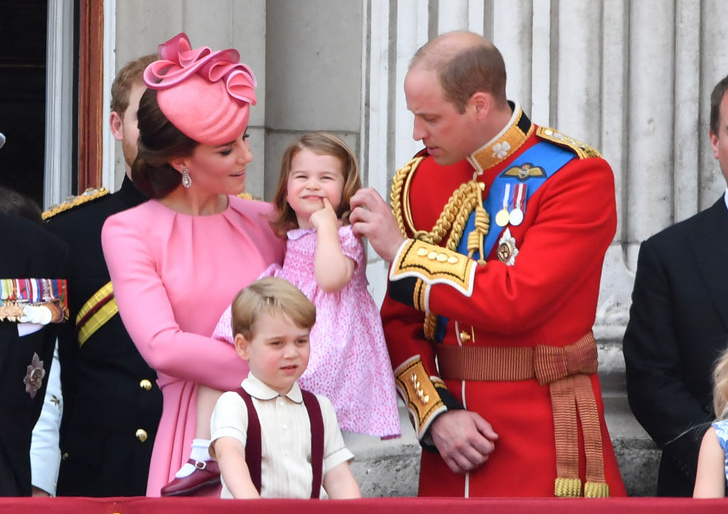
[(273, 296)]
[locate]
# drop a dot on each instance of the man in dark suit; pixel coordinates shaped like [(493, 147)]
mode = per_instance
[(679, 325), (26, 345), (112, 403)]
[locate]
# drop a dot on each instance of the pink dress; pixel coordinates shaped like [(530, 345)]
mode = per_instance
[(173, 274), (349, 362)]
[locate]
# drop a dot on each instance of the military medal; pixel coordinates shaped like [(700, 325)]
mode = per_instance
[(507, 250), (11, 312), (501, 219), (516, 216), (33, 300), (34, 377)]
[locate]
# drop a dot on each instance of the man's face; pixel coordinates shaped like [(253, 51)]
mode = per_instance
[(129, 124), (719, 141), (448, 135)]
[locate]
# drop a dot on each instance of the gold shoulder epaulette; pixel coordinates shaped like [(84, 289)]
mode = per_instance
[(245, 196), (74, 201), (583, 150)]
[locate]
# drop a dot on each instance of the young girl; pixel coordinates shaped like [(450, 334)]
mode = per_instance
[(712, 472), (349, 362), (324, 259)]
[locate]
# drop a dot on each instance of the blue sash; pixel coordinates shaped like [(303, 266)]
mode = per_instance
[(549, 159)]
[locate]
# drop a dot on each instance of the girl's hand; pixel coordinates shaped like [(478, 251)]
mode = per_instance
[(324, 217)]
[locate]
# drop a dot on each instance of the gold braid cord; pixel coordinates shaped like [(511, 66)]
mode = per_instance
[(74, 201), (453, 219)]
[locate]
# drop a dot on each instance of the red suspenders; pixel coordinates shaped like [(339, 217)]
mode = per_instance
[(253, 443)]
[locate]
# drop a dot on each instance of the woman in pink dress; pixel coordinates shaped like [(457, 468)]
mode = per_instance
[(177, 260)]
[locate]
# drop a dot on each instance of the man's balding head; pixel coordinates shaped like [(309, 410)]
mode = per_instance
[(465, 63)]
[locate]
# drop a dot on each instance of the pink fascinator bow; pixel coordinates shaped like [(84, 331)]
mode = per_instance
[(206, 94)]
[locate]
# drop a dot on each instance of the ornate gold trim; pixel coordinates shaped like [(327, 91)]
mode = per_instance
[(74, 201), (418, 391), (583, 150), (94, 314), (503, 147), (433, 264)]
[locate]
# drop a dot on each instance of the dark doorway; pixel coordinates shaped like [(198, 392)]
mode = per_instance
[(23, 26)]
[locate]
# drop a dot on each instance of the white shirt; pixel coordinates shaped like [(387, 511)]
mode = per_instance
[(285, 437)]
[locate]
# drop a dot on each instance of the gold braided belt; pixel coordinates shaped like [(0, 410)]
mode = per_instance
[(566, 370)]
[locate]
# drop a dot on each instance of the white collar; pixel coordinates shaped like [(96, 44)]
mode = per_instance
[(258, 389)]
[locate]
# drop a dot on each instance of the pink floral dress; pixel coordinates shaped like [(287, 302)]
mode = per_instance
[(349, 362)]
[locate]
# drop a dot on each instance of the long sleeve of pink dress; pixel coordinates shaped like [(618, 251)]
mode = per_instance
[(173, 276)]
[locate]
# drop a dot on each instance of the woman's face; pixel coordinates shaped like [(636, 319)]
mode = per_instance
[(220, 169)]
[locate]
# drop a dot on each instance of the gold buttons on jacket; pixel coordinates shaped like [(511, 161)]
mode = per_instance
[(141, 435), (146, 385)]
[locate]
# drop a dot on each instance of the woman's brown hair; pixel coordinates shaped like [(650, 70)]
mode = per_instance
[(159, 142)]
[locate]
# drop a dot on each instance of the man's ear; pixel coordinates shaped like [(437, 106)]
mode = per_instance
[(714, 144), (241, 346), (481, 104), (117, 125)]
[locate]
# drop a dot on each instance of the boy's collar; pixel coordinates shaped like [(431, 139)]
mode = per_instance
[(261, 391)]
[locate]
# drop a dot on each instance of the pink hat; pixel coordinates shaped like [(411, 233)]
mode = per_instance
[(205, 94)]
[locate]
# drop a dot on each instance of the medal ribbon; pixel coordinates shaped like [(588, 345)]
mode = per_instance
[(506, 196), (519, 205), (501, 218), (20, 296), (518, 197)]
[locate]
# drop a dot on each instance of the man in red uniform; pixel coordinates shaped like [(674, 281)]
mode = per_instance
[(496, 249)]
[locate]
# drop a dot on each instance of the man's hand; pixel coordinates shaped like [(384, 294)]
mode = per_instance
[(372, 218), (464, 439)]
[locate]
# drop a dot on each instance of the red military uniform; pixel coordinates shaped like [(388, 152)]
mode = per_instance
[(538, 289)]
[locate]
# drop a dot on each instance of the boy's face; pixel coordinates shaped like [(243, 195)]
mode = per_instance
[(278, 352)]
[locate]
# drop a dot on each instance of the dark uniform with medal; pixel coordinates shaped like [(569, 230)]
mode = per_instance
[(32, 302), (112, 404)]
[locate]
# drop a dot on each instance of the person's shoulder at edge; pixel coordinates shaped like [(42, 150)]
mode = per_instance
[(31, 242), (75, 204), (667, 235), (558, 138)]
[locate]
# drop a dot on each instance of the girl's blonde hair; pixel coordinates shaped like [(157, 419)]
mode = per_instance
[(320, 143), (720, 386)]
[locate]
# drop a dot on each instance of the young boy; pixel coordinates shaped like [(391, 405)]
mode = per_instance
[(271, 320)]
